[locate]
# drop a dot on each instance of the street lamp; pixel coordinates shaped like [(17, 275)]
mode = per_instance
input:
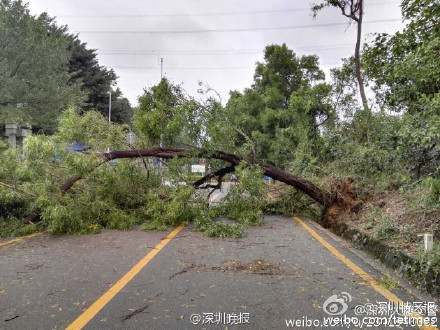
[(109, 106)]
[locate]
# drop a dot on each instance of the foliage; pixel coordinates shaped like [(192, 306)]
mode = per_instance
[(15, 227), (293, 203), (245, 201), (405, 66), (44, 69), (96, 81), (405, 69), (209, 223), (177, 209), (312, 113), (261, 122), (103, 198), (429, 260), (386, 229), (109, 195), (223, 230), (425, 193), (166, 115), (35, 83), (388, 282)]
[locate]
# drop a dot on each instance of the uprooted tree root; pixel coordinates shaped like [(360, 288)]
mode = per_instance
[(344, 201)]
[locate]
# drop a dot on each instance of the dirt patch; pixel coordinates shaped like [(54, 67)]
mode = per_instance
[(255, 267), (258, 267)]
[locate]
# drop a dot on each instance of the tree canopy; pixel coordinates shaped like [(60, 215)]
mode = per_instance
[(265, 117), (44, 69), (96, 81), (35, 83), (405, 71)]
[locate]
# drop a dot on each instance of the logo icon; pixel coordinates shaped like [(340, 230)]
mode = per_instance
[(337, 305)]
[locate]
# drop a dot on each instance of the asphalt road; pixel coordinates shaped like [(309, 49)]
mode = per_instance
[(278, 272)]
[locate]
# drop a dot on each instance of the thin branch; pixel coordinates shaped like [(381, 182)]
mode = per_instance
[(248, 139), (218, 173), (17, 66), (17, 189)]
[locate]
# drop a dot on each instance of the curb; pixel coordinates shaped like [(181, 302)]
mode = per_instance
[(421, 275)]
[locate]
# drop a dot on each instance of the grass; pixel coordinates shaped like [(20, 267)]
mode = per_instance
[(388, 282), (16, 228), (431, 258), (370, 225), (386, 229)]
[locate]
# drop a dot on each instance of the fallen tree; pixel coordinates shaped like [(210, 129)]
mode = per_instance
[(341, 198)]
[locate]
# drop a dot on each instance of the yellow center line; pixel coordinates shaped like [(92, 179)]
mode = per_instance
[(366, 277), (99, 304), (18, 239)]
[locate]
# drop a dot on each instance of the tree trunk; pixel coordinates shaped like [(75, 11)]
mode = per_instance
[(323, 197), (340, 199), (357, 57), (309, 188)]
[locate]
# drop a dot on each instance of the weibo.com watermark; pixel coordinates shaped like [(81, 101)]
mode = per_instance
[(389, 314), (337, 305)]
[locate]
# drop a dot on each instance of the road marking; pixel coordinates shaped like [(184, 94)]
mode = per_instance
[(367, 278), (18, 239), (99, 304)]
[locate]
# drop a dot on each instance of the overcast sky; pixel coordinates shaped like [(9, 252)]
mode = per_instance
[(216, 42)]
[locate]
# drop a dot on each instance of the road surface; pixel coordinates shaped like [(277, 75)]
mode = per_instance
[(279, 273)]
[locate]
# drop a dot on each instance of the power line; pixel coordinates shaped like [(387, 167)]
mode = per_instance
[(308, 26), (253, 12), (174, 51), (183, 68), (191, 15), (192, 68), (193, 52), (213, 52)]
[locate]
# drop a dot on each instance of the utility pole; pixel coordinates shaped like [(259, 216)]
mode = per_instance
[(161, 77), (109, 106)]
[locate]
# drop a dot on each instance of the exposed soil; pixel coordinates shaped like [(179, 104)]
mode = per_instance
[(393, 218), (396, 218)]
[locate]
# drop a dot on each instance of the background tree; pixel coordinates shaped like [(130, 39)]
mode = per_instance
[(167, 115), (282, 73), (353, 10), (345, 89), (43, 69), (122, 111), (35, 85), (405, 70), (263, 118), (313, 116), (96, 81)]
